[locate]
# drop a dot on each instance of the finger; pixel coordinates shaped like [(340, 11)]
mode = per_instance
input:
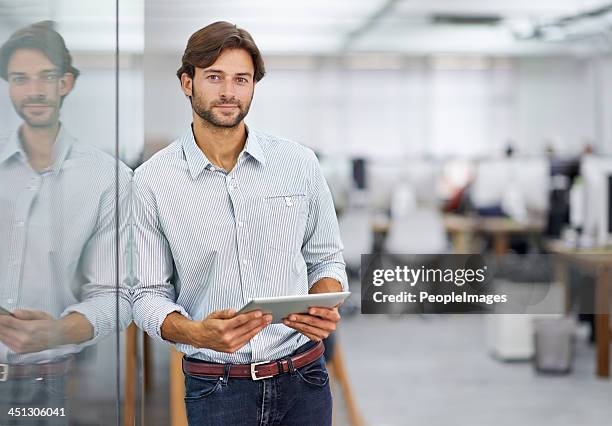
[(245, 338), (11, 344), (25, 314), (307, 329), (11, 339), (307, 334), (330, 314), (11, 322), (222, 314), (239, 342), (241, 319), (313, 321), (252, 325), (312, 337)]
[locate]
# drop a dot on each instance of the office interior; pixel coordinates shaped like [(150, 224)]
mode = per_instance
[(442, 127)]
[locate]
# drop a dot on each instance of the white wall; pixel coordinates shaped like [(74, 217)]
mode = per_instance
[(417, 109), (602, 89), (555, 102)]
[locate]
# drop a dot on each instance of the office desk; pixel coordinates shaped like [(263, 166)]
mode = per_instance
[(598, 261), (465, 230)]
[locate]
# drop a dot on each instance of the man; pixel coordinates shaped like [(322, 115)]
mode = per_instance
[(57, 230), (225, 214)]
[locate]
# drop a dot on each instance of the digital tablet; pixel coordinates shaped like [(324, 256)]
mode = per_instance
[(282, 306)]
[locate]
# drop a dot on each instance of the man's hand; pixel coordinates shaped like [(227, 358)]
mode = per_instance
[(26, 331), (221, 331), (317, 324)]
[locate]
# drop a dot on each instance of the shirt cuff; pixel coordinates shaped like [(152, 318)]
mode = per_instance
[(97, 317), (338, 274), (157, 316)]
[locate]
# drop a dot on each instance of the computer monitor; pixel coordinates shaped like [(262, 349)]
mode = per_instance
[(492, 176), (359, 173), (597, 175)]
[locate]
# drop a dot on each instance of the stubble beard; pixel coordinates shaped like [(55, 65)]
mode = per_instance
[(209, 116)]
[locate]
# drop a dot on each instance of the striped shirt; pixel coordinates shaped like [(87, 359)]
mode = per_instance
[(208, 239), (57, 237)]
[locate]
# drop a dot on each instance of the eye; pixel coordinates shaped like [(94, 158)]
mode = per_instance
[(214, 77), (19, 80), (242, 80)]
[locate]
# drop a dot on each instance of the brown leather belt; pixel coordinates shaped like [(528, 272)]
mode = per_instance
[(256, 370), (24, 371)]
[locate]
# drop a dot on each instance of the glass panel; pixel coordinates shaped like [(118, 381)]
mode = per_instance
[(63, 209)]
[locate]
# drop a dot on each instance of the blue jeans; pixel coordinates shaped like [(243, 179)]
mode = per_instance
[(23, 395), (301, 398)]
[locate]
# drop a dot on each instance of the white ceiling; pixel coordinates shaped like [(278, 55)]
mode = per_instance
[(324, 27)]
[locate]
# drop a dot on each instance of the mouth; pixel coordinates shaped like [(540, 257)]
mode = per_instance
[(226, 106), (36, 106)]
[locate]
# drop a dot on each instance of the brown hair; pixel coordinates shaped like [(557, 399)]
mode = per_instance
[(205, 46), (41, 36)]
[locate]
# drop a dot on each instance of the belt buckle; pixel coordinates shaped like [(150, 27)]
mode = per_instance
[(254, 373), (4, 371)]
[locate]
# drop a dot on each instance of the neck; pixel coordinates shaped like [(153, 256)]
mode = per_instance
[(221, 145), (38, 144)]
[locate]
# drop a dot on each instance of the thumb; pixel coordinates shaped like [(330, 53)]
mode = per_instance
[(24, 314), (223, 314)]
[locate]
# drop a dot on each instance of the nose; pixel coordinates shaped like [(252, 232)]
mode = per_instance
[(228, 89), (35, 88)]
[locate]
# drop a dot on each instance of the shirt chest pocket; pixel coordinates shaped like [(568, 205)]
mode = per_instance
[(286, 216)]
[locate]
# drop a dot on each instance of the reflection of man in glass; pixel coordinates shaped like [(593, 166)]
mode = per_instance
[(57, 227), (226, 214)]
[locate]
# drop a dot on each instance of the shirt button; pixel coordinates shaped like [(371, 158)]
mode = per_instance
[(240, 224), (212, 168)]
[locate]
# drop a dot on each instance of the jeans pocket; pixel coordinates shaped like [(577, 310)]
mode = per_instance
[(199, 387), (314, 374), (55, 387)]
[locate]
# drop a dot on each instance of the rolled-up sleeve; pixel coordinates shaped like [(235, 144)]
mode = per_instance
[(322, 247), (153, 293)]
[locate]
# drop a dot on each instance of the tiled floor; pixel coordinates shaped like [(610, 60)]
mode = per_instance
[(435, 370)]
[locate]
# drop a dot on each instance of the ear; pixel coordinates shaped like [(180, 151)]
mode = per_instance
[(66, 83), (187, 85)]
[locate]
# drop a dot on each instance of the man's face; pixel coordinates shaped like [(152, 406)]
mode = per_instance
[(222, 93), (36, 87)]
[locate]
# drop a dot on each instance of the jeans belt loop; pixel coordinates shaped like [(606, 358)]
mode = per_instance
[(4, 372), (226, 374)]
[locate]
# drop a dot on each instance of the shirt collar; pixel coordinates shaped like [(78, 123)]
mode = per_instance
[(11, 147), (62, 144), (253, 146), (197, 160)]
